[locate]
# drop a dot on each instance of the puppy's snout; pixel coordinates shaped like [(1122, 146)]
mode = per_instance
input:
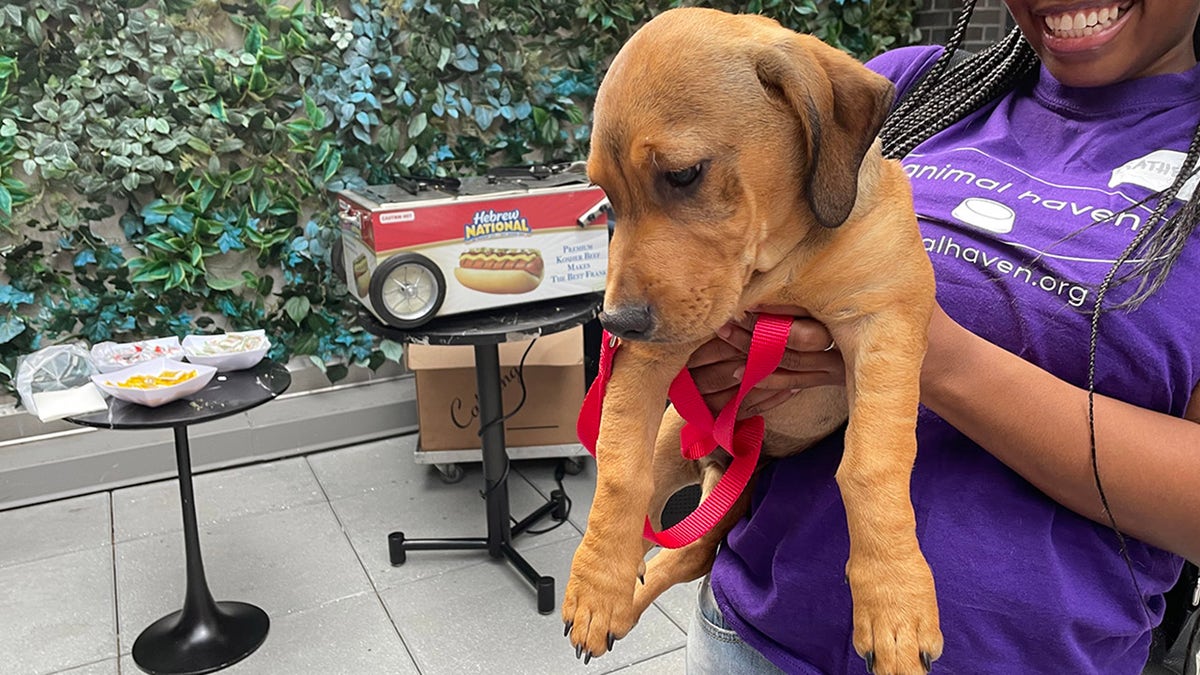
[(632, 322)]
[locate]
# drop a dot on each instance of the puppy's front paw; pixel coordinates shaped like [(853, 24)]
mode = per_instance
[(598, 605), (895, 615)]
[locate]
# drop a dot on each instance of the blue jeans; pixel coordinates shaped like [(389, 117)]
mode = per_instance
[(713, 648)]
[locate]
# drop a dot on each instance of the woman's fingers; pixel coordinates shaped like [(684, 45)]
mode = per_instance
[(805, 335), (783, 310), (808, 335), (783, 379), (718, 385), (720, 363), (757, 401), (717, 377), (716, 350), (810, 360), (763, 401)]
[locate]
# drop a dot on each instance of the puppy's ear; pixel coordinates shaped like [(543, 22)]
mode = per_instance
[(842, 106)]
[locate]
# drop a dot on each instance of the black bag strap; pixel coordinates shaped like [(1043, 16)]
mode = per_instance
[(1181, 603)]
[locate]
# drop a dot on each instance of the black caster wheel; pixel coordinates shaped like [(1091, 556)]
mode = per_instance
[(450, 473), (573, 465)]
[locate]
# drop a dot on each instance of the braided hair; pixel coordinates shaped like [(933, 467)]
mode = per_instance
[(956, 86)]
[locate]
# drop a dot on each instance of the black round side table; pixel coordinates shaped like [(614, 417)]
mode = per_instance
[(205, 635), (485, 331)]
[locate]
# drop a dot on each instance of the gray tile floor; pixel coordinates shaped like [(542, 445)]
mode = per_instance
[(305, 539)]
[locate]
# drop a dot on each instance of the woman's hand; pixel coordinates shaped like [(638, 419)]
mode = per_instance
[(811, 360)]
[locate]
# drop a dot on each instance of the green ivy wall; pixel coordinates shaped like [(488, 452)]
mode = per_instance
[(166, 167)]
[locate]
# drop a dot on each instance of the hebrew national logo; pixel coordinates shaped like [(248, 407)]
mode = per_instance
[(491, 223), (1156, 171)]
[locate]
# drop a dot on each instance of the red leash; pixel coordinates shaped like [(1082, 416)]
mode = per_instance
[(702, 433)]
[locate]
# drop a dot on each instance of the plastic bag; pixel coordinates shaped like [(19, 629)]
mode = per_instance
[(58, 379), (110, 357)]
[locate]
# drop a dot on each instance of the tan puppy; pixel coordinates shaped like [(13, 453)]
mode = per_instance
[(740, 159)]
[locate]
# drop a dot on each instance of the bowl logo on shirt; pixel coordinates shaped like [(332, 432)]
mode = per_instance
[(1156, 171), (985, 214)]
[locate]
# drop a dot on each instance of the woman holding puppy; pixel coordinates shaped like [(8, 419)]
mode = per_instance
[(1054, 168)]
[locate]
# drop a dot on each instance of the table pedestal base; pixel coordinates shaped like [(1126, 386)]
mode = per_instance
[(203, 644), (398, 547), (498, 542)]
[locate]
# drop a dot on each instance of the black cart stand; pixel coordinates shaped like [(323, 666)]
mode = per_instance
[(205, 635), (485, 331)]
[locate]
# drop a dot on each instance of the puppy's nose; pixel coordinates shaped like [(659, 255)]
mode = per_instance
[(633, 322)]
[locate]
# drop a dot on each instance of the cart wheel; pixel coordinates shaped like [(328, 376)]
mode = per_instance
[(451, 473), (407, 290), (573, 465)]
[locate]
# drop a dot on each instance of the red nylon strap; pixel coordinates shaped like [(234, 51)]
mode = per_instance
[(702, 433), (587, 427)]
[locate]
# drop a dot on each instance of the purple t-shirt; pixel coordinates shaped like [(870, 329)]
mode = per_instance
[(1024, 206)]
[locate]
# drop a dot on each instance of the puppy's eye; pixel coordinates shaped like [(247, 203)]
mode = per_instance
[(683, 177)]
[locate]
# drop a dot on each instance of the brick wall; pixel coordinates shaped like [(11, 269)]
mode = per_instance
[(989, 22)]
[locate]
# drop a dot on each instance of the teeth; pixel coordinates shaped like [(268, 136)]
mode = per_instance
[(1082, 23)]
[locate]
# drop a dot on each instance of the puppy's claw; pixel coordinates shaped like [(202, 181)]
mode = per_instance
[(926, 662), (567, 628), (578, 651), (612, 639), (587, 658), (642, 578), (870, 659)]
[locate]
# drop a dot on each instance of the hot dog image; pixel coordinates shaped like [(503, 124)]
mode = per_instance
[(500, 270)]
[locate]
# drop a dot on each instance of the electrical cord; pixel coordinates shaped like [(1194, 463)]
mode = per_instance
[(560, 470), (501, 419)]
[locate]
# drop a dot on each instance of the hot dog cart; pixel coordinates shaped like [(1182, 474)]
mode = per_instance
[(428, 247)]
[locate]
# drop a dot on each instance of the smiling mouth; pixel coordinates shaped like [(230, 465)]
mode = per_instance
[(1083, 23)]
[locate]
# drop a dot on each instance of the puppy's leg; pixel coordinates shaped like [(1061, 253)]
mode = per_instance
[(598, 603), (676, 566), (895, 608), (672, 472)]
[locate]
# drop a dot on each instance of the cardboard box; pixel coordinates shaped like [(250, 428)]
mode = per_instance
[(447, 402)]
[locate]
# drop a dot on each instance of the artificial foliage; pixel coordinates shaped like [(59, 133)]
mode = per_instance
[(167, 167)]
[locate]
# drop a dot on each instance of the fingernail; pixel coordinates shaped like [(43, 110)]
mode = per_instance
[(737, 374)]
